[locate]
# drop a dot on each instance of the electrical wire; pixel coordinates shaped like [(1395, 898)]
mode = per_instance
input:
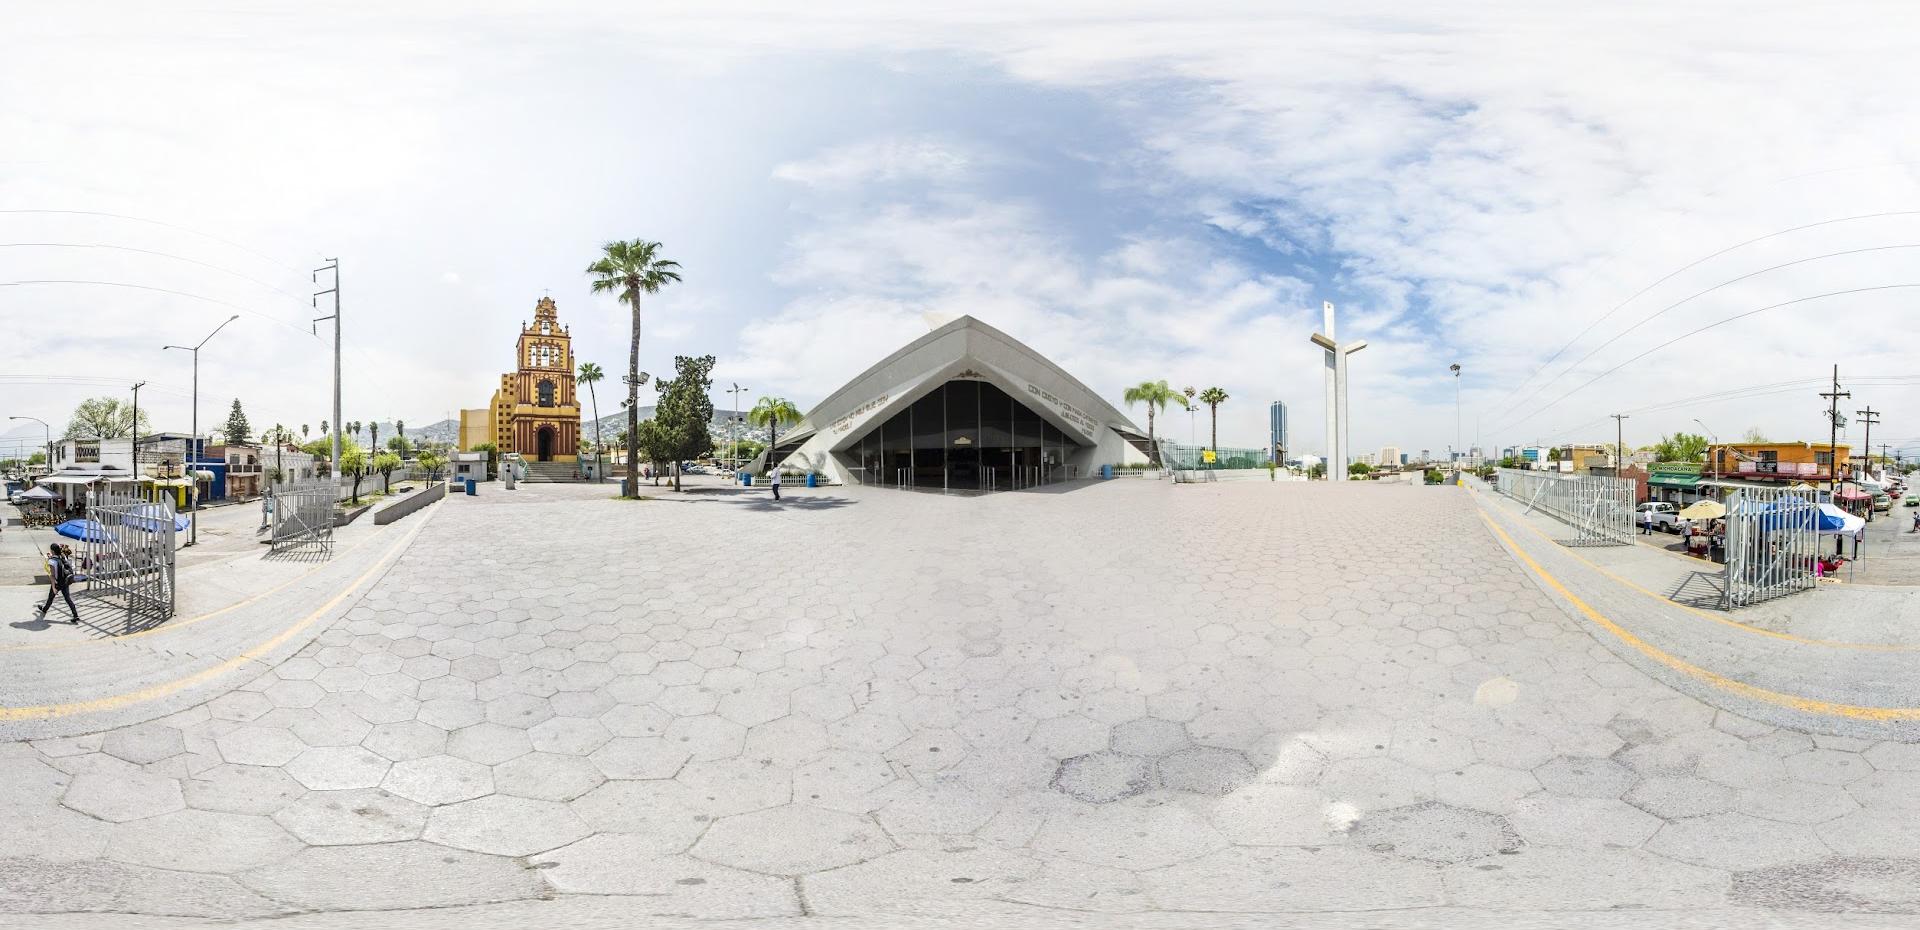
[(141, 219), (1696, 332), (300, 299), (1695, 264), (162, 290)]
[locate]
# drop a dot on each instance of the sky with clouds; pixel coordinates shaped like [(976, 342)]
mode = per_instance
[(1592, 208)]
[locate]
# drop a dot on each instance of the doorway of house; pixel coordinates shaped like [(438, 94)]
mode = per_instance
[(543, 444)]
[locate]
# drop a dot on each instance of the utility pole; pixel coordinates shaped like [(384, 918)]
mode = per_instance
[(1619, 443), (1455, 368), (1868, 416), (136, 427), (1833, 434), (333, 265), (197, 450), (733, 427)]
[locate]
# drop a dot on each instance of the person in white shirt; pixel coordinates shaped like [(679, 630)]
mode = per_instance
[(774, 480)]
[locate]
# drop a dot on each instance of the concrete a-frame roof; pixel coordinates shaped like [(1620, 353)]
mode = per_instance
[(962, 348)]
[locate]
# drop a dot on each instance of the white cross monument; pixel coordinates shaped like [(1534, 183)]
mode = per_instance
[(1336, 393)]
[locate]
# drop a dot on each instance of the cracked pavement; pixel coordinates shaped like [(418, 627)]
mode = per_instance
[(1122, 702)]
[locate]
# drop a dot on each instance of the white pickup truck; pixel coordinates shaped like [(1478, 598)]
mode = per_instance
[(1666, 516)]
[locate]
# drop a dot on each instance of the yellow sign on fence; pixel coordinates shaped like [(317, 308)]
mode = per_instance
[(1207, 456)]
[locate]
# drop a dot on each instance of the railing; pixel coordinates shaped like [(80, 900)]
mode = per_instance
[(1600, 510), (303, 516), (129, 555), (1773, 540)]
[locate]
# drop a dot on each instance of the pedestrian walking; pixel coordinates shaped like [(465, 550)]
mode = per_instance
[(1647, 528), (774, 480), (59, 581)]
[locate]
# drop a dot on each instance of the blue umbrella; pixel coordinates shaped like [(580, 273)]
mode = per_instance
[(148, 518), (82, 530)]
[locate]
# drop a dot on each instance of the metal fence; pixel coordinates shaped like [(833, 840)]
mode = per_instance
[(128, 556), (1600, 510), (1178, 457), (1773, 538), (303, 516)]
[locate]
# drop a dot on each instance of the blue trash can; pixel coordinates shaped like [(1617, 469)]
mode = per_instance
[(747, 479), (470, 491), (1106, 473), (813, 480)]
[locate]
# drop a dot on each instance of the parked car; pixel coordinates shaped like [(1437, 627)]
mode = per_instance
[(17, 498), (1666, 515), (1882, 501), (1913, 500)]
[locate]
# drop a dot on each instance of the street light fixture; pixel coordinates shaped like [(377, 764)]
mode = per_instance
[(1455, 368), (195, 454), (49, 437)]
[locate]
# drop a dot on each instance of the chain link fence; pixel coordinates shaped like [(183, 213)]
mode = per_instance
[(1773, 539), (1600, 510)]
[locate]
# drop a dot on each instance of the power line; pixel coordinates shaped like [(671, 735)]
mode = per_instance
[(1689, 335), (1691, 297), (153, 222), (127, 248), (162, 290)]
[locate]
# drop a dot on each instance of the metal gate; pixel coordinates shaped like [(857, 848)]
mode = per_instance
[(1599, 509), (1773, 538), (303, 516), (128, 556)]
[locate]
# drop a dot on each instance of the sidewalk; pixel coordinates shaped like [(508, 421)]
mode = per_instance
[(235, 618), (1858, 687), (1835, 610)]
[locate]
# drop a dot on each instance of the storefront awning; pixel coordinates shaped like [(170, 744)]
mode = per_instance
[(1674, 481)]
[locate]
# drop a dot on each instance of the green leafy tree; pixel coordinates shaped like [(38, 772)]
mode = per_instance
[(685, 410), (385, 463), (773, 413), (655, 446), (628, 270), (1753, 434), (320, 449), (1680, 447), (1319, 470), (493, 458), (431, 460), (103, 418), (1213, 397), (1360, 469), (1156, 395), (590, 375), (399, 446), (237, 429), (38, 458), (353, 464)]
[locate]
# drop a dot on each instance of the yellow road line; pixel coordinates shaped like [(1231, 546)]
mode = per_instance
[(151, 692), (1710, 615), (1713, 679)]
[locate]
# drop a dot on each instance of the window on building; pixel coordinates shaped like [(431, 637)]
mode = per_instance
[(1823, 458), (546, 393)]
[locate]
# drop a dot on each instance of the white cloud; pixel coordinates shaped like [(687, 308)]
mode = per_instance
[(883, 161)]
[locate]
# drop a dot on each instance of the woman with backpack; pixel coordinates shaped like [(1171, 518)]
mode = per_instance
[(59, 580)]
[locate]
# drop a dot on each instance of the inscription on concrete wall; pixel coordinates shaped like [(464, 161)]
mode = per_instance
[(1067, 411), (846, 423)]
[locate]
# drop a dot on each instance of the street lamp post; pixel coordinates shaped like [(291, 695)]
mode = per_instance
[(48, 430), (1455, 368), (196, 453), (733, 427)]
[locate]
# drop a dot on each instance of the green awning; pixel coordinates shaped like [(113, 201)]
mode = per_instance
[(1674, 481)]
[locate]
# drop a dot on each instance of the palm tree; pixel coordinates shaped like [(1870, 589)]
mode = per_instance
[(590, 374), (1156, 395), (373, 430), (400, 427), (629, 269), (323, 429), (1213, 397), (771, 412), (304, 431)]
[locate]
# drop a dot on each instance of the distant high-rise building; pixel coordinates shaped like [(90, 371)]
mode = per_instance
[(1389, 456), (1277, 431), (1426, 456), (1403, 458)]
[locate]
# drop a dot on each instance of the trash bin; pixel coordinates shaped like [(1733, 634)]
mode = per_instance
[(470, 490), (1106, 473), (626, 487), (747, 479), (813, 480)]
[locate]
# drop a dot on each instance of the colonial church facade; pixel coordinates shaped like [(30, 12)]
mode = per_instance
[(534, 411)]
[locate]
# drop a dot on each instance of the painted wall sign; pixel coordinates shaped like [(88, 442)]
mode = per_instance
[(846, 422)]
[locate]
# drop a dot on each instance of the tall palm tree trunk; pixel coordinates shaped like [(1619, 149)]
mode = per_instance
[(599, 470), (1153, 448), (1213, 413), (633, 400)]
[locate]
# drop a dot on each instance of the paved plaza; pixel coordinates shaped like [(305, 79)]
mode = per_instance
[(1110, 704)]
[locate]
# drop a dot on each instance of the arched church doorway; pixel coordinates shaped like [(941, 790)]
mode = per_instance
[(543, 444)]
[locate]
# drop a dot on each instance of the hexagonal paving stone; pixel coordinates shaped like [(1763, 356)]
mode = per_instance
[(1436, 832), (793, 839), (489, 743), (393, 876), (144, 744), (337, 768), (546, 776), (254, 745), (123, 796), (519, 710), (407, 740), (612, 864), (242, 789), (1204, 770), (1584, 778), (573, 736), (1148, 736), (505, 826), (1736, 841), (664, 817), (437, 780), (1104, 777), (362, 815), (201, 841)]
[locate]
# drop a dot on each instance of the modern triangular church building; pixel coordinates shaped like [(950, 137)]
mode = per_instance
[(967, 408)]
